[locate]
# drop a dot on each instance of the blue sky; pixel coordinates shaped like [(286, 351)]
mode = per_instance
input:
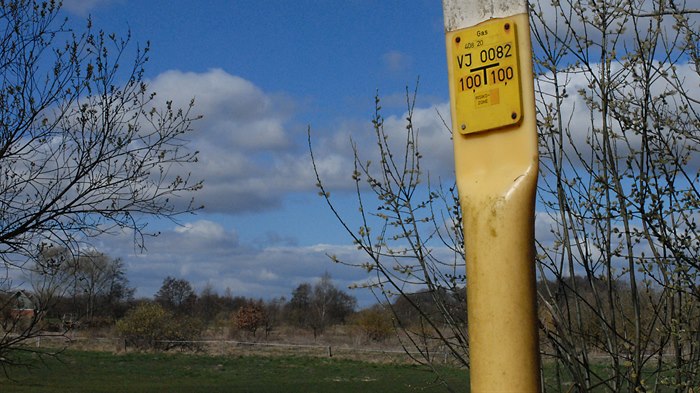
[(261, 72)]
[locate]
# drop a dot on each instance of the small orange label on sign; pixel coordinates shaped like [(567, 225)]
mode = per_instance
[(487, 98)]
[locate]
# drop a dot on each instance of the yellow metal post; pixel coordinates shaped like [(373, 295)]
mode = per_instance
[(496, 161)]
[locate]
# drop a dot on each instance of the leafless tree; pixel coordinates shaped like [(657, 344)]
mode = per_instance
[(84, 147), (403, 223), (319, 306), (619, 122), (177, 296)]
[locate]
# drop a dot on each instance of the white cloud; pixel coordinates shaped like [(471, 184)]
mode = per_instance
[(237, 114), (267, 275), (203, 252), (396, 61), (202, 228), (251, 154), (83, 7)]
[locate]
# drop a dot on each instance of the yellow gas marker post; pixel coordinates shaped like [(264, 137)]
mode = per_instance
[(489, 60)]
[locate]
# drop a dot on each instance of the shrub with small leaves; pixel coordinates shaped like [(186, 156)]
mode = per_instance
[(374, 322), (250, 318), (150, 326)]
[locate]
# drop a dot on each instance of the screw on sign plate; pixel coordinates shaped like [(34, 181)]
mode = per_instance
[(485, 77)]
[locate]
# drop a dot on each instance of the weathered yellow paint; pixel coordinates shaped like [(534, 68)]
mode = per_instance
[(496, 174), (484, 70)]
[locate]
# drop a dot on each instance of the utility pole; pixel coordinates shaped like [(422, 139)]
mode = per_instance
[(489, 59)]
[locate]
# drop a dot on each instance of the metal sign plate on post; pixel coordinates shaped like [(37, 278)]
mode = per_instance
[(484, 70)]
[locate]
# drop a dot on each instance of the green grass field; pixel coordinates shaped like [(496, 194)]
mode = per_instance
[(78, 371)]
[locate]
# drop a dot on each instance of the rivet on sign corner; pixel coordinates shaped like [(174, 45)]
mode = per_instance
[(513, 115), (507, 26), (458, 39), (464, 127)]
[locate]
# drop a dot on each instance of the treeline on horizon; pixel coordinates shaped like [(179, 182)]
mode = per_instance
[(67, 293), (92, 292)]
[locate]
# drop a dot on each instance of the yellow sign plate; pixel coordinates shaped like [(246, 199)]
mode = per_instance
[(485, 76)]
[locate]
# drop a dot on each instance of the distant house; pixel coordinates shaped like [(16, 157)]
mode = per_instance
[(24, 305)]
